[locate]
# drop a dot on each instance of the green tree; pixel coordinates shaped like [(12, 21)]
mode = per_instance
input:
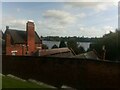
[(54, 46), (44, 46), (81, 49), (111, 43), (62, 44), (72, 45)]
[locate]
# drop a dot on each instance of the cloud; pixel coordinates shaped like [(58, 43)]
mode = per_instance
[(96, 6), (108, 29), (13, 22), (0, 16), (56, 22), (62, 17), (95, 31), (47, 28), (81, 15), (92, 0), (91, 32), (18, 10)]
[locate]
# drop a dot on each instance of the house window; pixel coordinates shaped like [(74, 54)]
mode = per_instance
[(39, 48), (14, 52)]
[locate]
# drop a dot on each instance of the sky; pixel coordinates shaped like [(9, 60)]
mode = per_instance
[(88, 19)]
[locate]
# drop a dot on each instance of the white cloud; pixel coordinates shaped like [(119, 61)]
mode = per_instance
[(50, 27), (95, 31), (101, 7), (108, 29), (91, 32), (47, 28), (13, 22), (97, 6), (18, 9), (82, 28), (0, 16), (62, 17), (92, 0), (81, 15), (56, 22)]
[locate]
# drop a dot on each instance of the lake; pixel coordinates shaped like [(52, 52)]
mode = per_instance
[(85, 45)]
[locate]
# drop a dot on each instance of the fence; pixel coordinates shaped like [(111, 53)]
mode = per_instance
[(74, 72)]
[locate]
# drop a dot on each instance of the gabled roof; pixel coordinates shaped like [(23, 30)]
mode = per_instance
[(19, 36), (88, 55), (48, 52)]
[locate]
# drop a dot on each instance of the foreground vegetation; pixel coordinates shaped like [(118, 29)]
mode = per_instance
[(111, 43), (8, 82)]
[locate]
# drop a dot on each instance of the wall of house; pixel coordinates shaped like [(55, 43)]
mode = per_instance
[(20, 48), (17, 47), (38, 46), (74, 72)]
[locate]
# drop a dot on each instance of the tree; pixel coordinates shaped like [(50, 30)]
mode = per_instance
[(111, 43), (44, 46), (54, 46), (62, 44), (72, 45), (81, 49)]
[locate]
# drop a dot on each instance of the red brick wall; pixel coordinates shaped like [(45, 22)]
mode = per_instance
[(22, 48), (30, 37), (8, 44), (38, 45), (17, 47)]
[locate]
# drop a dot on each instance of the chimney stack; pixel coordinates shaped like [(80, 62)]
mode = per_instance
[(30, 27)]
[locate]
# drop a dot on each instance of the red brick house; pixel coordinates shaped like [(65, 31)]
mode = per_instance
[(19, 42)]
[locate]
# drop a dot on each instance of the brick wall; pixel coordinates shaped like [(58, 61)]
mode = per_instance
[(30, 37), (21, 49), (74, 72)]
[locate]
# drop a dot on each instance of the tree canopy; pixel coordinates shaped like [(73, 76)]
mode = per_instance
[(72, 45), (44, 46), (62, 44), (111, 43), (54, 46)]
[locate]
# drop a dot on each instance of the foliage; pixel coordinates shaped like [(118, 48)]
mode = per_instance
[(44, 46), (54, 46), (72, 44), (62, 44), (111, 43), (81, 49)]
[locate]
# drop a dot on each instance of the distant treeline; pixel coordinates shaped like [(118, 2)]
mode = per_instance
[(77, 39)]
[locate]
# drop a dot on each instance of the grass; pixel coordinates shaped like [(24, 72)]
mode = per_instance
[(8, 82)]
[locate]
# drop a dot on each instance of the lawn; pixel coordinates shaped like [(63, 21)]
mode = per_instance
[(8, 82)]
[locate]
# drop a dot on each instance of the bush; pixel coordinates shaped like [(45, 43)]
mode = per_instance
[(62, 44), (111, 43), (54, 46), (44, 46), (72, 44)]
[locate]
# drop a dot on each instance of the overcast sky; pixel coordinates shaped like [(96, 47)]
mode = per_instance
[(89, 19)]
